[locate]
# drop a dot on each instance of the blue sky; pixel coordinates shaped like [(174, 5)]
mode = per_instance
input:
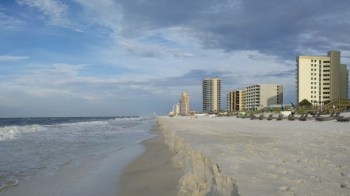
[(122, 57)]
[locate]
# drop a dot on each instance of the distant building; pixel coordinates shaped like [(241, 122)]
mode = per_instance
[(176, 109), (263, 95), (236, 101), (184, 104), (211, 95), (321, 78)]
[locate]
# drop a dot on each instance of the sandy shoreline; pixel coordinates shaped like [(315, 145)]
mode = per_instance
[(230, 156), (152, 173), (267, 157)]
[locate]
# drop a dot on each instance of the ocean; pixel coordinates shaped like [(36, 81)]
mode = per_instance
[(68, 156)]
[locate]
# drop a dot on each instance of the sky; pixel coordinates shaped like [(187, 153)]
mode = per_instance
[(135, 57)]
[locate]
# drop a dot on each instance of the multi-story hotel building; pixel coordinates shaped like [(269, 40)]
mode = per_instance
[(211, 95), (263, 95), (321, 78), (184, 104), (236, 101)]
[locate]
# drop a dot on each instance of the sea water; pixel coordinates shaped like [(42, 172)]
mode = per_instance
[(68, 156)]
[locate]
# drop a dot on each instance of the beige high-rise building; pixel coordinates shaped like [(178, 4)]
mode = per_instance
[(263, 95), (236, 101), (184, 104), (321, 78), (211, 95)]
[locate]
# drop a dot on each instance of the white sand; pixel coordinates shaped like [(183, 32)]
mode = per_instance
[(272, 157)]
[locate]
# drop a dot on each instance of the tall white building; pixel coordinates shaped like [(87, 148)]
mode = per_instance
[(321, 78), (259, 96), (184, 104), (211, 95)]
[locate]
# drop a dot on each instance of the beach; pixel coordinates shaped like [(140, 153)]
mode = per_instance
[(231, 156), (191, 156), (152, 173)]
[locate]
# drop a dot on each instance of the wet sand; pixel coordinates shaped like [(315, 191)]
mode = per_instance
[(152, 173)]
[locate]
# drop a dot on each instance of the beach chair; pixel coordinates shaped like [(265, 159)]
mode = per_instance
[(261, 117), (316, 115), (322, 118), (303, 117), (291, 117), (343, 119), (270, 117), (337, 115), (279, 117), (253, 117)]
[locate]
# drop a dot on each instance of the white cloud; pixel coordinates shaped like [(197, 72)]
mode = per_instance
[(55, 10), (105, 13), (6, 58), (180, 53), (8, 22)]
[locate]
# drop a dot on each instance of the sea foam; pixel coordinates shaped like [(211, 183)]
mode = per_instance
[(12, 132)]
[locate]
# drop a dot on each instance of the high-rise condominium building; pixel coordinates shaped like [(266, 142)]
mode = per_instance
[(184, 104), (321, 78), (211, 95), (263, 95), (236, 101)]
